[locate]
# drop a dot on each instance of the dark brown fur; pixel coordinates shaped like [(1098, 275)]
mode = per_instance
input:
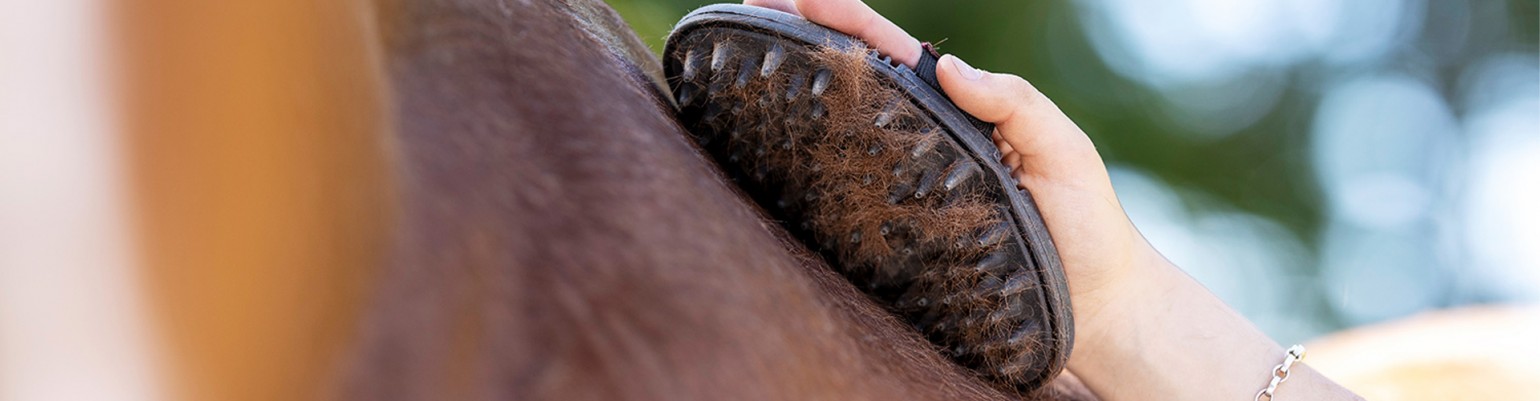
[(560, 238)]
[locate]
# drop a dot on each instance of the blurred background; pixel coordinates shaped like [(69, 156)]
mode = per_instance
[(1319, 164)]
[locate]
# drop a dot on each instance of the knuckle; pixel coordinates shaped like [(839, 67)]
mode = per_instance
[(812, 8), (1025, 90), (1019, 95)]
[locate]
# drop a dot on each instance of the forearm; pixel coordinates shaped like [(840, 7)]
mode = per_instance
[(1168, 337)]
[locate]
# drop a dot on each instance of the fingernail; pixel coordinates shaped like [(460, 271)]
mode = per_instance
[(972, 74)]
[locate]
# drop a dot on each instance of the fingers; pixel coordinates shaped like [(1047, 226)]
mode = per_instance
[(1024, 119), (787, 6), (1008, 154), (854, 18)]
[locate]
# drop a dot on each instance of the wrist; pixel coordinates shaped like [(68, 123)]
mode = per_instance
[(1107, 317), (1162, 332)]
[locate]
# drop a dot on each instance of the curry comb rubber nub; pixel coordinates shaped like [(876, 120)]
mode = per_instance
[(867, 163)]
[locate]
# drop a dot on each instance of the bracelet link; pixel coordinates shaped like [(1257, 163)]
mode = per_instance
[(1280, 373)]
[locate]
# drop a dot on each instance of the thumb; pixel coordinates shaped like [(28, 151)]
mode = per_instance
[(1024, 118)]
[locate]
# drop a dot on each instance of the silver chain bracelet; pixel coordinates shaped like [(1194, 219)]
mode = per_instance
[(1281, 372)]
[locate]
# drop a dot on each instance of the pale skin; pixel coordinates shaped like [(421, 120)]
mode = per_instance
[(1145, 329)]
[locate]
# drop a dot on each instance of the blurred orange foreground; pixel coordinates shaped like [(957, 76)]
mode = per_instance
[(1475, 353)]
